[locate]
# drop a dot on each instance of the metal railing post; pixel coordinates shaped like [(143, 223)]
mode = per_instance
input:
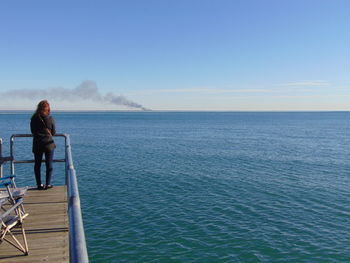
[(12, 141), (66, 158), (0, 157)]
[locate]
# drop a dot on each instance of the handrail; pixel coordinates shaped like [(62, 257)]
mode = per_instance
[(77, 243)]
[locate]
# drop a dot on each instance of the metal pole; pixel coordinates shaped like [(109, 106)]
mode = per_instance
[(66, 157), (12, 140), (0, 157)]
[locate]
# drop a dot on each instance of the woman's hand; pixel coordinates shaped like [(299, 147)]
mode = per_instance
[(48, 131)]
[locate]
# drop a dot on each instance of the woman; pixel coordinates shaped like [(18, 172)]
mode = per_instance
[(43, 128)]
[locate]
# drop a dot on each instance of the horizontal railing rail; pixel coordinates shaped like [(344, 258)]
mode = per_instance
[(77, 242)]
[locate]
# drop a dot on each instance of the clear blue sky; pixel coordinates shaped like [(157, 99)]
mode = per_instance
[(181, 54)]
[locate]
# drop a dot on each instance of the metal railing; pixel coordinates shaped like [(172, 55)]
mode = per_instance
[(77, 244)]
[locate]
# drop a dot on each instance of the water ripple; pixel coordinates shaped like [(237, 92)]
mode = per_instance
[(211, 187)]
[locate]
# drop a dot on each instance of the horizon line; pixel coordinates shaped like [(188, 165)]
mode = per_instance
[(149, 111)]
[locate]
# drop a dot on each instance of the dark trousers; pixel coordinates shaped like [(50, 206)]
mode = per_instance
[(48, 161)]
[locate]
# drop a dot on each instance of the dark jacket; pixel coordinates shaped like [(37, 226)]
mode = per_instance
[(42, 140)]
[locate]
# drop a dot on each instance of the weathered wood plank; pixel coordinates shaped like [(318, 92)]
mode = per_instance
[(46, 228)]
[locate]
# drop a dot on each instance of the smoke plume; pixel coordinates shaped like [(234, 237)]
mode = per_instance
[(87, 90)]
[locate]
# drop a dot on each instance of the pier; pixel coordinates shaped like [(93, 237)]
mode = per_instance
[(54, 226)]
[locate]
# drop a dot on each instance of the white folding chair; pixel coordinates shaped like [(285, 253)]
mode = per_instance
[(11, 218), (12, 214)]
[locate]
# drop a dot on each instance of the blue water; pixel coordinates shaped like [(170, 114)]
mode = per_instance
[(207, 187)]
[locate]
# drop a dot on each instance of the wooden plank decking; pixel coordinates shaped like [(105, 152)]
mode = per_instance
[(46, 228)]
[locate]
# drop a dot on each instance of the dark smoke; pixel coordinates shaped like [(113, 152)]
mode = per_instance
[(85, 91)]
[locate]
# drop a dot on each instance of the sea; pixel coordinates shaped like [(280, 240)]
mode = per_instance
[(205, 186)]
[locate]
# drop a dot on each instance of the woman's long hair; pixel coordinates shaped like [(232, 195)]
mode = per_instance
[(41, 107)]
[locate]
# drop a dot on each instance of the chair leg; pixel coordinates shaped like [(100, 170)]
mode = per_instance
[(25, 240), (17, 244)]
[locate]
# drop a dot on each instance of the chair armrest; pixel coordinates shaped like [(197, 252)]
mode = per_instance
[(7, 177), (4, 215)]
